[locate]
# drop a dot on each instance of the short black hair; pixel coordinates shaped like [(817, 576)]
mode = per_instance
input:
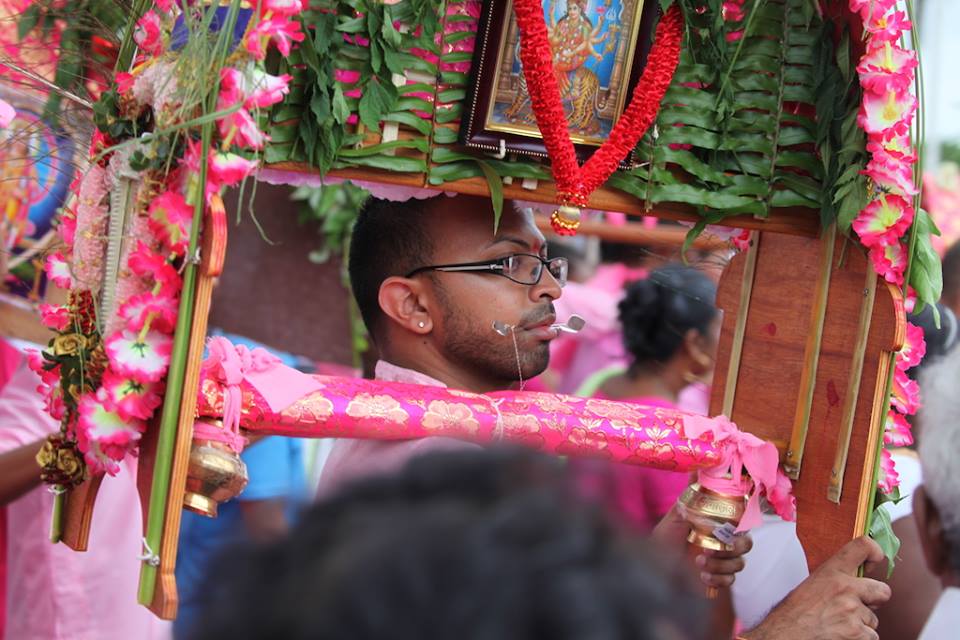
[(474, 545), (657, 312), (389, 239)]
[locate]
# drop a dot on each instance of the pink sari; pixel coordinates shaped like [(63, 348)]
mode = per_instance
[(640, 496)]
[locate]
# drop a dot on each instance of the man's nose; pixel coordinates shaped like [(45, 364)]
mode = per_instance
[(548, 287)]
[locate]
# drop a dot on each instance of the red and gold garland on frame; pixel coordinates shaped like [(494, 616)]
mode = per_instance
[(576, 183)]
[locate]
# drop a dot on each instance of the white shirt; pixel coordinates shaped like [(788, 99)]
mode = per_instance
[(775, 566), (944, 622)]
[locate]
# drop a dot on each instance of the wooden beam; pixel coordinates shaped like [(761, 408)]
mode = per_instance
[(635, 233), (798, 221)]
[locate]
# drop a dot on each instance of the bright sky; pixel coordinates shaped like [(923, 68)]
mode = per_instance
[(940, 53)]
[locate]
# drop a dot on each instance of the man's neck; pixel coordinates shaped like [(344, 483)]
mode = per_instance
[(443, 371)]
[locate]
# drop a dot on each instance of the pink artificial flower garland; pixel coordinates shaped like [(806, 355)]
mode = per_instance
[(886, 71), (138, 337)]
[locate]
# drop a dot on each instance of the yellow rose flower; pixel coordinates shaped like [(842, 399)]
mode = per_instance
[(69, 344)]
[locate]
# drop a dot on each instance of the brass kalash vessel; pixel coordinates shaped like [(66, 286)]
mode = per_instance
[(215, 474), (713, 517)]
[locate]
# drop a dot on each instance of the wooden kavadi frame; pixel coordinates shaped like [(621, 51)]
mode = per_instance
[(802, 307)]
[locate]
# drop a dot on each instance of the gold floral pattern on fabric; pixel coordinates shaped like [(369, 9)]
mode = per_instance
[(357, 408), (313, 408), (522, 429), (551, 404), (377, 406), (620, 411), (585, 441), (453, 416)]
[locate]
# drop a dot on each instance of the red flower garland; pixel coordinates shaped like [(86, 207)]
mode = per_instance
[(575, 183)]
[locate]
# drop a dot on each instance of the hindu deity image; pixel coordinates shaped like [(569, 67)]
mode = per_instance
[(35, 161), (589, 40)]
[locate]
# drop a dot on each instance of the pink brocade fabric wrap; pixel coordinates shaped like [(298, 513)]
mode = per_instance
[(564, 425), (253, 390)]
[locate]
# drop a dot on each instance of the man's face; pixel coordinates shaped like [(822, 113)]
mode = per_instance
[(471, 302)]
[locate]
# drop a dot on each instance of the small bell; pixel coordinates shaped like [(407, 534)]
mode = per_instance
[(565, 220)]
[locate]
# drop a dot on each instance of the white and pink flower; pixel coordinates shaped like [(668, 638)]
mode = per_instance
[(889, 479), (241, 129), (255, 87), (223, 169), (280, 30), (55, 316), (889, 261), (871, 10), (170, 219), (103, 435), (886, 67), (130, 398), (280, 7), (906, 394), (888, 114), (58, 270), (49, 372), (894, 150), (144, 358), (148, 35), (149, 264), (896, 430), (886, 28), (229, 169), (884, 221), (156, 309), (914, 348)]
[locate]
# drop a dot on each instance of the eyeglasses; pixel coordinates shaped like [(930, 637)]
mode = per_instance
[(522, 268)]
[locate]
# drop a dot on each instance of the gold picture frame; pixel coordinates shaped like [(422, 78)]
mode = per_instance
[(600, 49)]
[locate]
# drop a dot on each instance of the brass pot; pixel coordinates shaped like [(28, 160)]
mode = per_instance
[(215, 474), (706, 510)]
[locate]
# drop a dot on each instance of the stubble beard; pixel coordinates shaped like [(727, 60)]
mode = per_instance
[(489, 354)]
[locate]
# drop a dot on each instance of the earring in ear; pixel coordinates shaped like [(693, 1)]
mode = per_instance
[(690, 377), (421, 324)]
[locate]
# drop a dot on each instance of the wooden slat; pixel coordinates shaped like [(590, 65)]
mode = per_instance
[(811, 356), (772, 363), (842, 447), (78, 513), (740, 327), (165, 598)]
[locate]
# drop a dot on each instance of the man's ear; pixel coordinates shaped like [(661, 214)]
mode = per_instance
[(927, 517), (405, 302)]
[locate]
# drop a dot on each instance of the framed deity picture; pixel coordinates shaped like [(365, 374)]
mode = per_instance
[(599, 51)]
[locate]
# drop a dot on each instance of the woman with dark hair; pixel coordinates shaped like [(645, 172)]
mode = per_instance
[(670, 328)]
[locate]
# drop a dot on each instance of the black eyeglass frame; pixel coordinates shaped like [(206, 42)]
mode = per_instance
[(497, 267)]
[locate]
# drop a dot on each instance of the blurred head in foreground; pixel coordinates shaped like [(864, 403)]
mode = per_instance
[(469, 545)]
